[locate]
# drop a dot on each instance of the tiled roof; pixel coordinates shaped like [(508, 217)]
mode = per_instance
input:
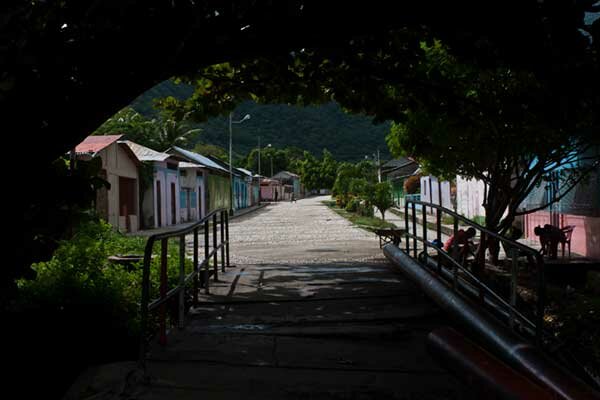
[(94, 144)]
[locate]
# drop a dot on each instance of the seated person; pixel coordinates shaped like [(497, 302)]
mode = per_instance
[(461, 240), (550, 237)]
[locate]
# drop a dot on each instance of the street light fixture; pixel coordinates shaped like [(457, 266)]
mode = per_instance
[(231, 122), (269, 146)]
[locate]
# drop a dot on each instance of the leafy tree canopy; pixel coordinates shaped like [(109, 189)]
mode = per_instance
[(499, 125), (158, 133)]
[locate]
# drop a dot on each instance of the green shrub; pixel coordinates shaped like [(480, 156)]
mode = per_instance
[(353, 204), (365, 209), (80, 277)]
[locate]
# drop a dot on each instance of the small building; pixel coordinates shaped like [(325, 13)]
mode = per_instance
[(212, 189), (289, 179), (470, 197), (255, 189), (191, 189), (118, 205), (579, 208), (243, 194), (396, 172), (159, 206), (271, 190), (240, 183), (435, 191)]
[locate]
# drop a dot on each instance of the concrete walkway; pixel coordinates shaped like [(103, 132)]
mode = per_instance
[(311, 311)]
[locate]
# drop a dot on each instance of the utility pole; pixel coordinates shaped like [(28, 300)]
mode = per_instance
[(231, 122), (259, 170), (378, 166)]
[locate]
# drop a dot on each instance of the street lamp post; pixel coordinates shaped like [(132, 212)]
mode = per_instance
[(231, 122), (269, 146)]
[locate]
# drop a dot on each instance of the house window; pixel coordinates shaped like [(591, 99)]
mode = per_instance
[(183, 172)]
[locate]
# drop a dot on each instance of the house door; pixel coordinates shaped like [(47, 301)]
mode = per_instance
[(189, 203), (173, 205), (158, 205), (200, 202), (127, 199)]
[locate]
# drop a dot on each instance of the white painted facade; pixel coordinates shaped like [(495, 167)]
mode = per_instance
[(165, 178), (201, 185), (470, 194), (118, 163), (430, 191), (191, 181)]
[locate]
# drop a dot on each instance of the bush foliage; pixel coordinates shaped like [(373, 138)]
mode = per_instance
[(90, 305)]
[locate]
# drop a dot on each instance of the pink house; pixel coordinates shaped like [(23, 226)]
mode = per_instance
[(579, 208), (271, 189)]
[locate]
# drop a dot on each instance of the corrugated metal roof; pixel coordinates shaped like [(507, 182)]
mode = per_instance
[(144, 153), (245, 171), (285, 174), (223, 164), (198, 158), (183, 164), (94, 144), (398, 162)]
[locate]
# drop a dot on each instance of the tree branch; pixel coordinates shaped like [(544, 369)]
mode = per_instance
[(562, 195)]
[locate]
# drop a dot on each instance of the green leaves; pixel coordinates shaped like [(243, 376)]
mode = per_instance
[(158, 133)]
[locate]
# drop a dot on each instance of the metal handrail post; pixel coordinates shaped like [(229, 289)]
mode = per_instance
[(227, 237), (541, 298), (181, 284), (222, 222), (513, 284), (414, 226), (196, 269), (206, 263), (425, 233), (455, 246), (163, 292), (439, 224), (215, 252), (145, 300), (406, 226)]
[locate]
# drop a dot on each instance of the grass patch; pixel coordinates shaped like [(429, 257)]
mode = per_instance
[(368, 223)]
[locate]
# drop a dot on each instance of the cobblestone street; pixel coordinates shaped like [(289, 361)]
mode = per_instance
[(311, 310), (303, 232)]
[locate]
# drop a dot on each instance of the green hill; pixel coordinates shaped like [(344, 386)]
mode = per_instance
[(348, 137)]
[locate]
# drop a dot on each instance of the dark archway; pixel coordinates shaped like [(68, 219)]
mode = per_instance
[(70, 65)]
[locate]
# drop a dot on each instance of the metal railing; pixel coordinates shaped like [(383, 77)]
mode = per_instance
[(457, 275), (200, 274)]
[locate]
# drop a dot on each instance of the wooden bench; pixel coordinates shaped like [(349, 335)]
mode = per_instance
[(389, 236)]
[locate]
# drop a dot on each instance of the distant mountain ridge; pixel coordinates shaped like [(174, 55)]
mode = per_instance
[(348, 137)]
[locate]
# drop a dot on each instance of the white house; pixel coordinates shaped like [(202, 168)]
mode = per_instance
[(119, 205), (432, 191)]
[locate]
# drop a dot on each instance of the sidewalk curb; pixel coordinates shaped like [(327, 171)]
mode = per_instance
[(248, 211)]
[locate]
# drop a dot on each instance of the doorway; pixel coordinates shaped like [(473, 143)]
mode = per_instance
[(173, 205), (158, 205)]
